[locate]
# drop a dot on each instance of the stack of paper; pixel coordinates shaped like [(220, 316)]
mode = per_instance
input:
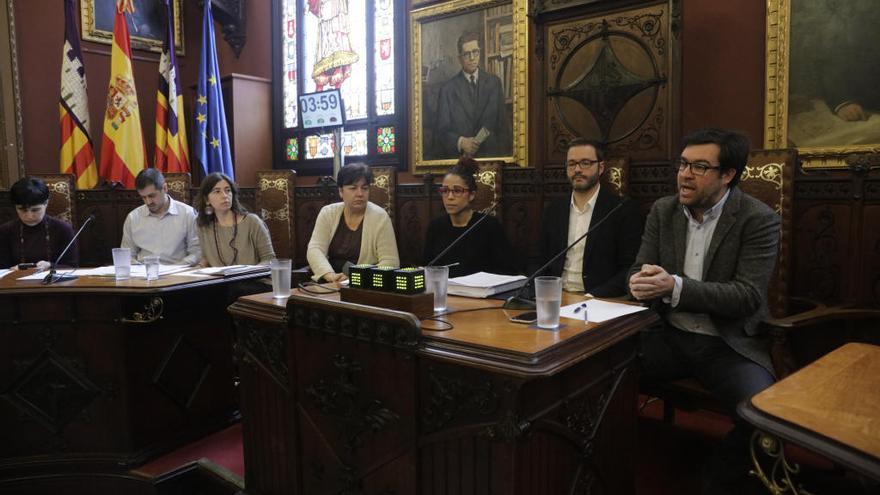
[(228, 271), (482, 284)]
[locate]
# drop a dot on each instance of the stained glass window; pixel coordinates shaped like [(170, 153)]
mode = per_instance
[(385, 140), (347, 45), (354, 143), (384, 56), (335, 42), (320, 146), (288, 62), (291, 149)]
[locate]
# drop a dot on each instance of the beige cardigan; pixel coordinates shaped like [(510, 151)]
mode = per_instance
[(378, 244)]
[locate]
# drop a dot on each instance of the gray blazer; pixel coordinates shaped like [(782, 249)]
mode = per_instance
[(736, 271)]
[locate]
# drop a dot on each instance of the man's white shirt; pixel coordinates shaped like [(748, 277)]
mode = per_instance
[(171, 235)]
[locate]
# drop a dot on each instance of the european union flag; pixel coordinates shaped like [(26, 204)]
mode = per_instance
[(212, 138)]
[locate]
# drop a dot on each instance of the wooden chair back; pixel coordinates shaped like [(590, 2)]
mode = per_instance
[(61, 188), (275, 205), (769, 177), (383, 187), (489, 188), (616, 176), (179, 186)]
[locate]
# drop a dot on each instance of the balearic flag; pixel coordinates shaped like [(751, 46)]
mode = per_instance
[(212, 144), (122, 147), (77, 156), (172, 151)]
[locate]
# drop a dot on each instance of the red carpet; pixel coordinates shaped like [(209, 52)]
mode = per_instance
[(223, 448)]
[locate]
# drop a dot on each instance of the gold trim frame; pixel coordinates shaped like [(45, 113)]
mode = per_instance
[(776, 96), (91, 32), (519, 78)]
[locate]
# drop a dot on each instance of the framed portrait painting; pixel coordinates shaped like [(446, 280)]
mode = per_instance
[(469, 82), (146, 26), (822, 76)]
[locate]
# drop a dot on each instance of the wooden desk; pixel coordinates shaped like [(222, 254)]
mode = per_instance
[(345, 398), (831, 406), (98, 375)]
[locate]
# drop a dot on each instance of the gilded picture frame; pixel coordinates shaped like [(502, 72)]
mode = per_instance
[(146, 26), (436, 63), (801, 108)]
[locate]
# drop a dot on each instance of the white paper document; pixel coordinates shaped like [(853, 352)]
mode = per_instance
[(137, 271), (597, 310), (482, 284)]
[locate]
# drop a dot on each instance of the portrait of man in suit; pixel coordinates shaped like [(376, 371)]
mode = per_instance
[(472, 119)]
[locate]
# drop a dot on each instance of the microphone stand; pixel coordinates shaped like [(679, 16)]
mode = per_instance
[(52, 277), (463, 234), (516, 301)]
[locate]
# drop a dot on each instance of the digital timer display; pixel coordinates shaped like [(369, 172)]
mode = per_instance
[(322, 110)]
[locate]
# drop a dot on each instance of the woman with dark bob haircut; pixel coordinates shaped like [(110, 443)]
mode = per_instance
[(34, 237), (228, 234), (485, 249), (354, 231)]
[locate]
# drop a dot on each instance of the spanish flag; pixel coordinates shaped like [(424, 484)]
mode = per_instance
[(77, 156), (122, 148), (172, 153)]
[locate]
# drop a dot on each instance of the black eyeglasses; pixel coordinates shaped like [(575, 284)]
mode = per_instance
[(584, 164), (697, 168), (455, 190)]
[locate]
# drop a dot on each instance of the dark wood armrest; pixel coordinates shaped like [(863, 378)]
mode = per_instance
[(821, 313), (783, 360)]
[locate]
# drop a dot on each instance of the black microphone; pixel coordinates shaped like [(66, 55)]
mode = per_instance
[(464, 234), (51, 277), (517, 302)]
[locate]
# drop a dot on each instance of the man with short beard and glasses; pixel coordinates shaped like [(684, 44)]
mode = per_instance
[(161, 226), (704, 265), (597, 265)]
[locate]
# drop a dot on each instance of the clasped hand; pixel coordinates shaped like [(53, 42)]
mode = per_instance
[(651, 282)]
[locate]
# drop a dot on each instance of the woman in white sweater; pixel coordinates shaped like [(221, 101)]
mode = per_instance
[(354, 231)]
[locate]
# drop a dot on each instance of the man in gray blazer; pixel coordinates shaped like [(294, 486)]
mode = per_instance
[(705, 263)]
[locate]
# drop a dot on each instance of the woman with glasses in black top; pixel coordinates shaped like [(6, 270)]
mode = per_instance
[(484, 249)]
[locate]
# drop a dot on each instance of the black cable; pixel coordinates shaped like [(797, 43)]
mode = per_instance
[(446, 313), (313, 284)]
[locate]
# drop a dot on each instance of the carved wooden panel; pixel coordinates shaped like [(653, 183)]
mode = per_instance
[(769, 176), (384, 188), (275, 203), (61, 204), (490, 188), (612, 77), (180, 186)]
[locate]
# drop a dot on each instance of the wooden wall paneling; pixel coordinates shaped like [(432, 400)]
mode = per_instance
[(413, 218), (110, 207), (263, 348), (631, 56), (523, 210), (248, 103)]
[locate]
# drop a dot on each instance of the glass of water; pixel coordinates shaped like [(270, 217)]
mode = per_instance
[(436, 278), (548, 296), (280, 277), (122, 263), (151, 267)]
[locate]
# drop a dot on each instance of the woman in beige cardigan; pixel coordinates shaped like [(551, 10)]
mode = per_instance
[(354, 231)]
